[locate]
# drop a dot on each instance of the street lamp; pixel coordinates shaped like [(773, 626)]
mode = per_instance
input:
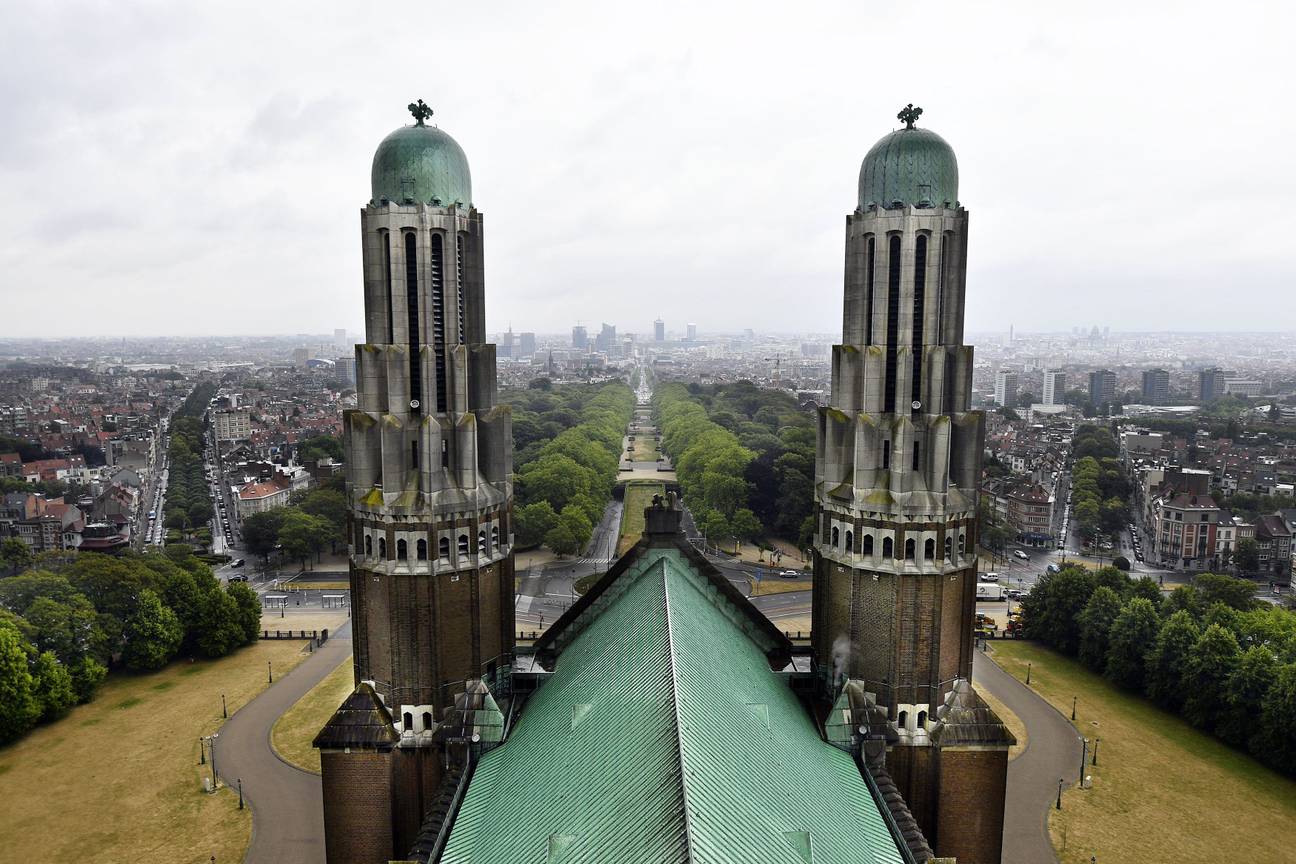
[(1084, 753), (1095, 750), (1028, 671), (269, 673), (1073, 706), (1059, 798)]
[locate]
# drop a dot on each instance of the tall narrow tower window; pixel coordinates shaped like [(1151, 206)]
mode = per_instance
[(868, 290), (917, 455), (414, 454), (438, 320), (886, 455), (386, 265), (940, 288), (412, 306), (893, 320), (920, 289), (459, 282)]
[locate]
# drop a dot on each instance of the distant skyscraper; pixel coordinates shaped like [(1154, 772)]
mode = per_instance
[(607, 339), (1210, 383), (896, 479), (1156, 386), (1054, 386), (659, 331), (1102, 387), (1006, 388), (580, 338), (339, 335), (692, 332), (526, 344)]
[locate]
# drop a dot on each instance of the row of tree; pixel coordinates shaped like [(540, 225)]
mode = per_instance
[(66, 622), (1208, 651), (567, 444), (1099, 487)]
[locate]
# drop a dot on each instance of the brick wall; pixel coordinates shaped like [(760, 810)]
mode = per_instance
[(970, 806), (357, 807)]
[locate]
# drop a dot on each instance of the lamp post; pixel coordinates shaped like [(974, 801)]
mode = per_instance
[(240, 785), (1028, 671), (1059, 798), (224, 713), (1095, 751), (270, 676), (1073, 706), (202, 750), (1084, 753)]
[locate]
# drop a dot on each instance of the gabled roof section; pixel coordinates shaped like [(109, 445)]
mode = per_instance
[(361, 722), (663, 736), (635, 562)]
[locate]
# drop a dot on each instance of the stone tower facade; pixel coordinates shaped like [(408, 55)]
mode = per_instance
[(429, 464), (898, 462)]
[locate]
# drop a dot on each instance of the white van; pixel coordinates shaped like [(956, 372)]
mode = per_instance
[(989, 577)]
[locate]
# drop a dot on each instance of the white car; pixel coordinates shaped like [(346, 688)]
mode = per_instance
[(989, 577), (1017, 553)]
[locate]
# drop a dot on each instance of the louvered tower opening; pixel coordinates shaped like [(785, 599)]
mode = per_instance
[(438, 320), (459, 282), (920, 290), (412, 307), (893, 319)]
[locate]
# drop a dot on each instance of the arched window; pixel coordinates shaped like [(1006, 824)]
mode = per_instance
[(443, 547), (382, 548), (836, 537), (369, 545), (888, 547), (949, 548), (929, 549), (962, 543), (437, 260), (421, 550), (909, 549), (412, 318), (850, 541), (902, 721), (494, 536), (409, 721), (868, 293), (866, 544), (427, 721), (893, 321), (463, 544), (922, 719), (481, 542), (402, 550), (919, 296)]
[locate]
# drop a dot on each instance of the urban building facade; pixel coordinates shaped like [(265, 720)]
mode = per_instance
[(1210, 383), (1054, 387), (1102, 387), (1156, 386), (428, 481), (1005, 388), (233, 425), (896, 474)]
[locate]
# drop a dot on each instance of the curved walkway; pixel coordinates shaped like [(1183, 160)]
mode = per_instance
[(287, 812), (1052, 752)]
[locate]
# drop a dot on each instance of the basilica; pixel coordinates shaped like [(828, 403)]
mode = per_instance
[(663, 718)]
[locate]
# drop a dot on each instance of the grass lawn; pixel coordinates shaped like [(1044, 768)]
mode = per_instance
[(638, 496), (119, 779), (293, 733), (645, 449), (779, 585), (1011, 720), (1162, 791)]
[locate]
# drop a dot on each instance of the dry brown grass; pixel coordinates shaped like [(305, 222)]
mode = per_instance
[(638, 496), (119, 779), (1162, 790), (293, 733), (779, 585), (645, 449)]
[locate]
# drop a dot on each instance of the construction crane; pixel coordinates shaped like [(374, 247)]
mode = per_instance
[(777, 360)]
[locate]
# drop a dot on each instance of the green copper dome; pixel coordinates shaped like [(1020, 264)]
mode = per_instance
[(909, 166), (421, 164)]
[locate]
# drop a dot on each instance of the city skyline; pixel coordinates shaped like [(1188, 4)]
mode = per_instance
[(615, 130)]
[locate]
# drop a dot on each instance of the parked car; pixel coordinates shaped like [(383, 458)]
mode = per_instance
[(989, 577), (239, 563), (789, 574), (238, 577)]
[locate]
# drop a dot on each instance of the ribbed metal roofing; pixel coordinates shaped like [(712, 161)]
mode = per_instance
[(663, 736)]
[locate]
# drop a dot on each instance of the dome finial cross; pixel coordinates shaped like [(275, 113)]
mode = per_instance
[(421, 111), (908, 114)]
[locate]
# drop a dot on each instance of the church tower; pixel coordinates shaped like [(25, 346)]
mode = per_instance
[(428, 480), (896, 473)]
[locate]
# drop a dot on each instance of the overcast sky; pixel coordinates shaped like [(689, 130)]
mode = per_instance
[(198, 168)]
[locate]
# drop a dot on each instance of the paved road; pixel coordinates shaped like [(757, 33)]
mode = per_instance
[(1052, 752), (287, 817)]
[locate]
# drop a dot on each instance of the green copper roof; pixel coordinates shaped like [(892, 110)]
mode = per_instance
[(663, 736), (421, 164), (909, 166)]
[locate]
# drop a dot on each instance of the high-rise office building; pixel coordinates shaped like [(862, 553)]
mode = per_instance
[(580, 337), (526, 345), (428, 481), (1156, 386), (1006, 388), (1102, 387), (692, 332), (1054, 387), (896, 479), (606, 340), (659, 331), (1210, 383)]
